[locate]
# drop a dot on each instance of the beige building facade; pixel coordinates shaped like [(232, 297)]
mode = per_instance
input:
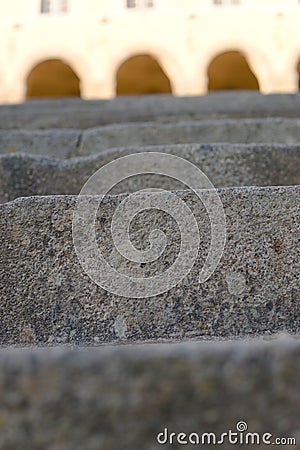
[(186, 47)]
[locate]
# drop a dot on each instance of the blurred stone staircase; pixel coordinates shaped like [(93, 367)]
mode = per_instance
[(101, 371)]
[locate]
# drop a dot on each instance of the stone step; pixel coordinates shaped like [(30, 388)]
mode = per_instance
[(259, 130), (68, 143), (85, 114), (226, 165), (47, 298), (132, 397), (53, 143)]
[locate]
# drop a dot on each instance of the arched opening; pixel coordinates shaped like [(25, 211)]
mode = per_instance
[(230, 70), (298, 69), (142, 74), (52, 78)]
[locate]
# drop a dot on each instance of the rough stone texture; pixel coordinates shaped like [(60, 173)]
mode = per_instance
[(55, 144), (67, 143), (47, 299), (279, 130), (86, 114), (225, 164), (112, 398)]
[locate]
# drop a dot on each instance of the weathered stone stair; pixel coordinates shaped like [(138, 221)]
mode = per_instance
[(69, 390), (68, 143), (123, 397), (226, 165)]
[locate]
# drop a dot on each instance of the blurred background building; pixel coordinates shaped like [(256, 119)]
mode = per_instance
[(103, 48)]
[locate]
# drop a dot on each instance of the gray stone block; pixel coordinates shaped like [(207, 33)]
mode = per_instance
[(67, 143), (47, 298), (226, 165), (85, 114), (112, 398), (271, 130), (61, 144)]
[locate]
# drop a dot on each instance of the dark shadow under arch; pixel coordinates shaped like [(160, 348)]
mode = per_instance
[(230, 70), (52, 78), (142, 74)]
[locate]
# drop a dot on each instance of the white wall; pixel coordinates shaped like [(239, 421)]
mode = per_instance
[(184, 36)]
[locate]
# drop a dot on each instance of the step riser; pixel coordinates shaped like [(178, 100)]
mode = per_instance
[(286, 131), (81, 114), (63, 144), (47, 298), (99, 398), (225, 165)]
